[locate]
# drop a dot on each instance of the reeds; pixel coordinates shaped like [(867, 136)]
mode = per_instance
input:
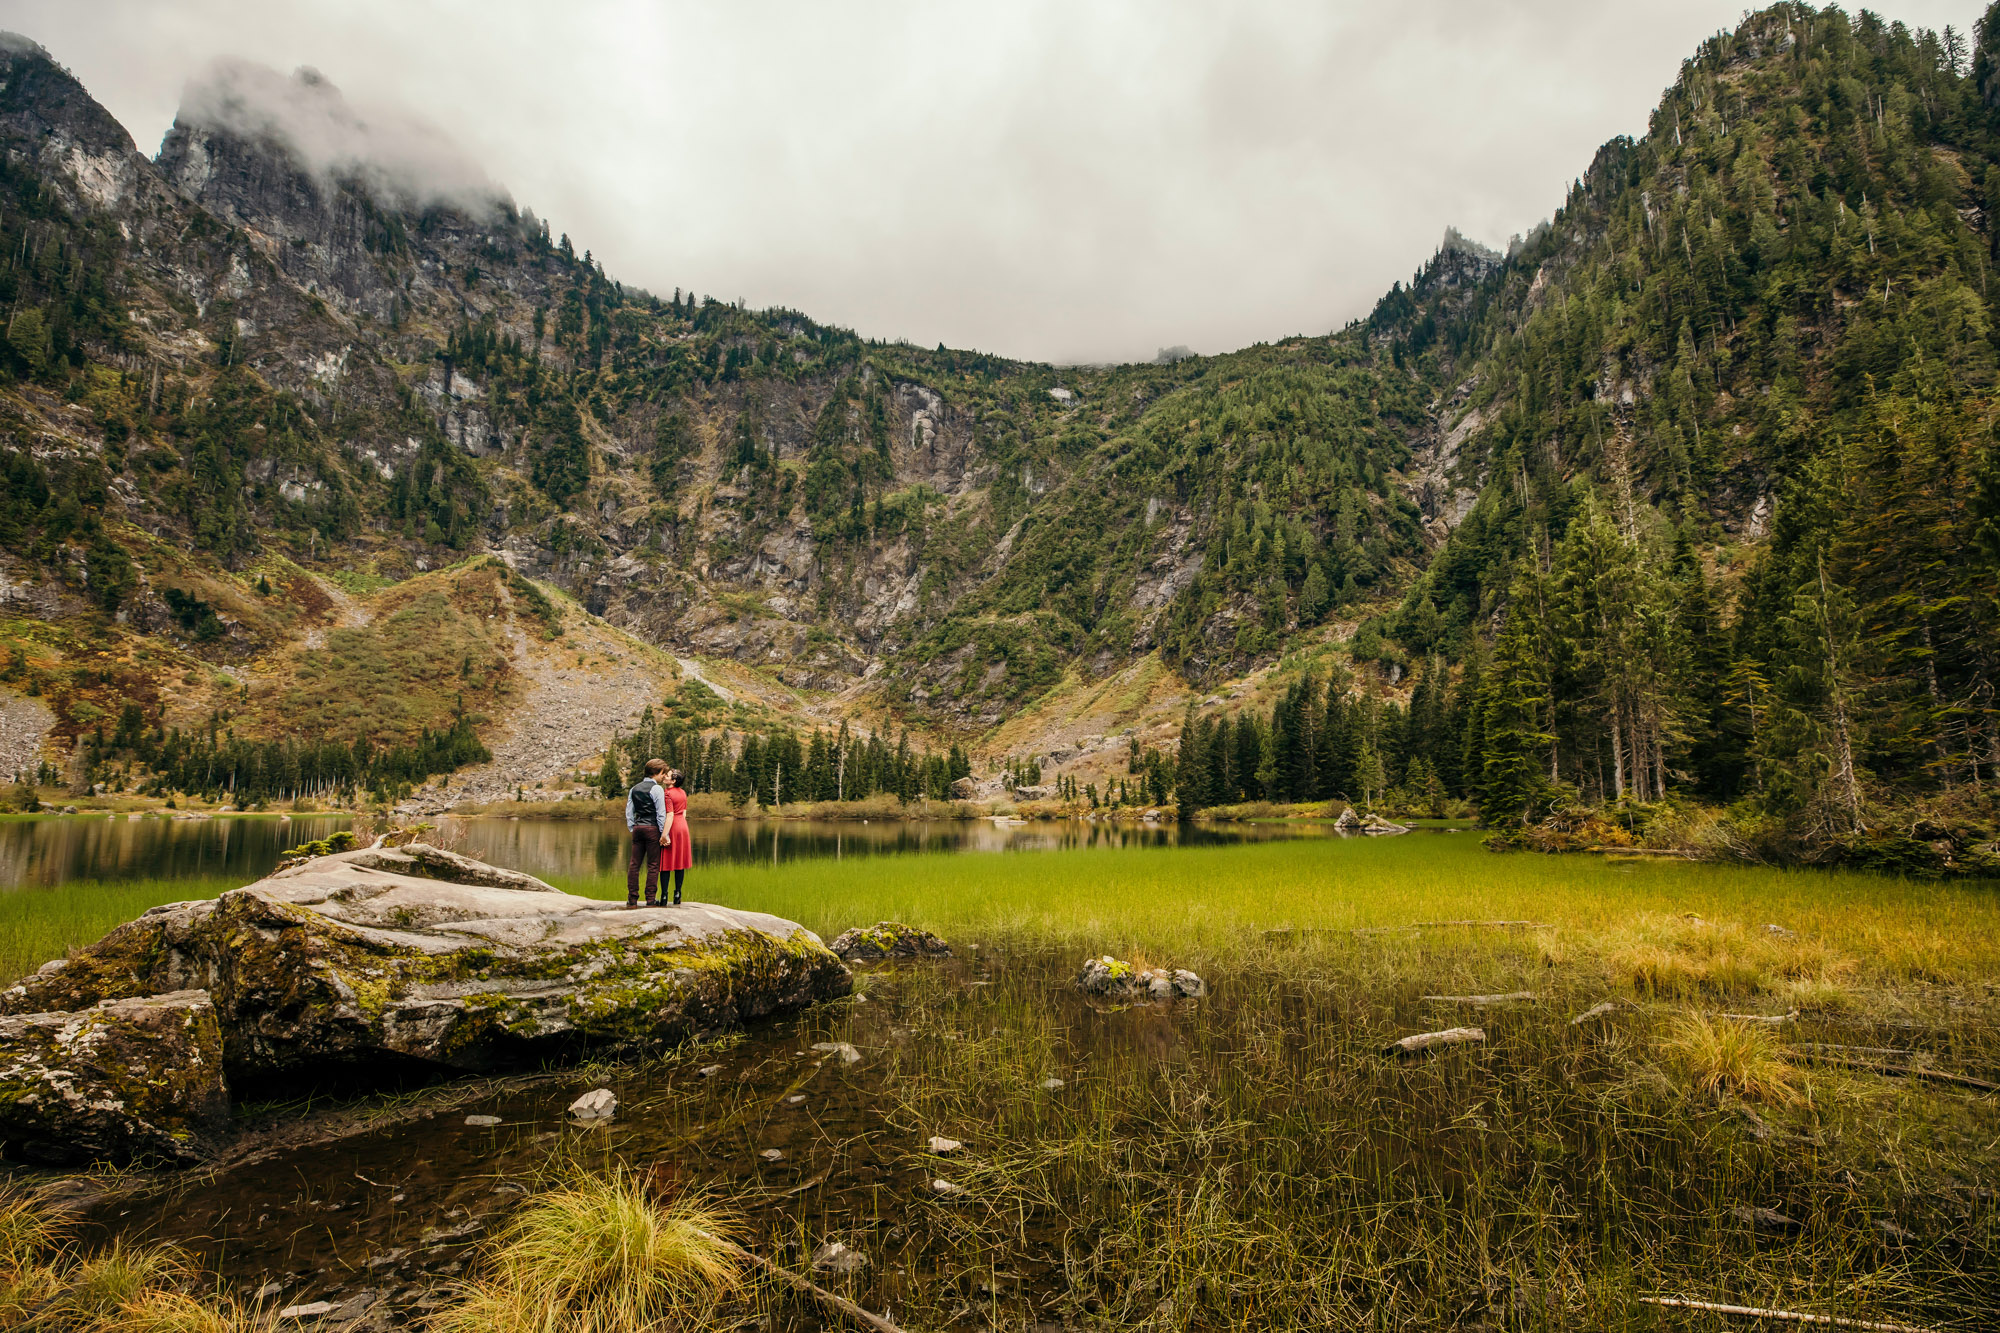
[(600, 1255)]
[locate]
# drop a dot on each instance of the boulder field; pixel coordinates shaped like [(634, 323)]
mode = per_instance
[(368, 964)]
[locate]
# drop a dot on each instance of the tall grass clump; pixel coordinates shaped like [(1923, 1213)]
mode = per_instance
[(1719, 1056), (48, 1284), (599, 1255)]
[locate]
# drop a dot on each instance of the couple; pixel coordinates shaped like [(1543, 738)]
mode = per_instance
[(655, 805)]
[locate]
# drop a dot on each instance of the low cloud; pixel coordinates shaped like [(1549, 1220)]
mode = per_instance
[(398, 155)]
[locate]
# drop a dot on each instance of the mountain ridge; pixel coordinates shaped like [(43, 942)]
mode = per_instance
[(952, 540)]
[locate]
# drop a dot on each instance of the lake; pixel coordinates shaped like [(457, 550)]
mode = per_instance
[(48, 852)]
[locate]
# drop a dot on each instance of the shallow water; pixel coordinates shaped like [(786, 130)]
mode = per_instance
[(55, 851), (95, 847), (386, 1214)]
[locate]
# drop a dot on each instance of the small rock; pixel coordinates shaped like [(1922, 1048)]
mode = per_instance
[(597, 1104), (772, 1154), (848, 1055), (1782, 932), (834, 1257), (1764, 1219), (1187, 985), (482, 1121), (888, 939), (946, 1187), (312, 1310), (943, 1146), (709, 1071), (267, 1291), (796, 1099), (1052, 1085)]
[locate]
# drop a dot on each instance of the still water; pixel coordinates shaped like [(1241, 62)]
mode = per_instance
[(77, 847)]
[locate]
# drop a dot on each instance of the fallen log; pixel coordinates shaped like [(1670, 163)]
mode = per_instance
[(1462, 925), (1898, 1071), (831, 1300), (1773, 1019), (1793, 1316), (1425, 1041), (1595, 1011), (1511, 997)]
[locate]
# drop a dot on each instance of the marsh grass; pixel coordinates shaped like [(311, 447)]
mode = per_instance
[(48, 1284), (1722, 1056), (1252, 1161), (600, 1254)]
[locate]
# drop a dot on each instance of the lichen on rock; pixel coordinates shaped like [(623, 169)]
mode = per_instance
[(1109, 978), (415, 958), (122, 1080), (888, 939)]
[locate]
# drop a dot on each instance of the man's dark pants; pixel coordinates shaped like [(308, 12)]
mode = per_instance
[(646, 848)]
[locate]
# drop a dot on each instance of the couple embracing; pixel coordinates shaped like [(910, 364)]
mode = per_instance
[(656, 812)]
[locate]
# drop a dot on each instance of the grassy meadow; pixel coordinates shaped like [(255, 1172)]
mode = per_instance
[(1253, 1160)]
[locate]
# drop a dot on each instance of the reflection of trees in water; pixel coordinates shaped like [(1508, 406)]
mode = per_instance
[(55, 851), (571, 848), (73, 847)]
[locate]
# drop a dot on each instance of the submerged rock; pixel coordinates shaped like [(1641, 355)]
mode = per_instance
[(123, 1079), (597, 1104), (382, 961), (1114, 979), (836, 1257), (888, 939)]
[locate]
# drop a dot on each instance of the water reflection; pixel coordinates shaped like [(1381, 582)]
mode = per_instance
[(591, 847), (56, 851), (72, 847)]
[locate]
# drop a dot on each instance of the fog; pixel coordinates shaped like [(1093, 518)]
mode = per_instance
[(1088, 180)]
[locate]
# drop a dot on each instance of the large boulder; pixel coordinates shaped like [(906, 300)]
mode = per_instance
[(416, 958), (121, 1080)]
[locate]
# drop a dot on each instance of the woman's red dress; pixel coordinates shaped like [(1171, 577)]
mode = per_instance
[(677, 849)]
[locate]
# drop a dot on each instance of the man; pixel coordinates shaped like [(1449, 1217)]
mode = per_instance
[(645, 815)]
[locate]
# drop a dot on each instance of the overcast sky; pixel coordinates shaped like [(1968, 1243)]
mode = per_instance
[(1060, 179)]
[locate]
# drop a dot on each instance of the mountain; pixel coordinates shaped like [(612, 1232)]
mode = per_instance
[(1693, 492)]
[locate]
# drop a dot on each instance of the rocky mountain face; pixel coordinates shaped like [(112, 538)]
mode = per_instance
[(284, 357)]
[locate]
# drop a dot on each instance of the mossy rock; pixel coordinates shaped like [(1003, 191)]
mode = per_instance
[(379, 962), (888, 939), (121, 1081)]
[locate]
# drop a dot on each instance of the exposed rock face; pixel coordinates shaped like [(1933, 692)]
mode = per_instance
[(417, 957), (888, 939), (120, 1080)]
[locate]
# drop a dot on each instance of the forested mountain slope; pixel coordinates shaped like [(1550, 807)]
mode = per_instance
[(1694, 491)]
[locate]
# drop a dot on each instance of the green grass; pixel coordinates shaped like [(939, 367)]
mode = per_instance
[(1217, 901), (39, 923), (1253, 1160)]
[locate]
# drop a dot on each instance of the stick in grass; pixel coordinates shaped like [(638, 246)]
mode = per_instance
[(1425, 1041), (1511, 997), (837, 1303), (1794, 1316)]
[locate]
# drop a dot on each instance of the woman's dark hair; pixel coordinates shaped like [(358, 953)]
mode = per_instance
[(673, 777)]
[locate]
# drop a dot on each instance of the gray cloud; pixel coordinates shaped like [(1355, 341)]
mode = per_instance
[(396, 152), (1067, 179)]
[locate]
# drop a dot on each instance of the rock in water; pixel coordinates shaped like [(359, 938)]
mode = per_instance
[(942, 1146), (888, 939), (597, 1104), (835, 1257), (123, 1079), (1114, 979), (417, 958), (1375, 824), (845, 1050)]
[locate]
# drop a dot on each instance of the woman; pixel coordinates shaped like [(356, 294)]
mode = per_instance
[(677, 848)]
